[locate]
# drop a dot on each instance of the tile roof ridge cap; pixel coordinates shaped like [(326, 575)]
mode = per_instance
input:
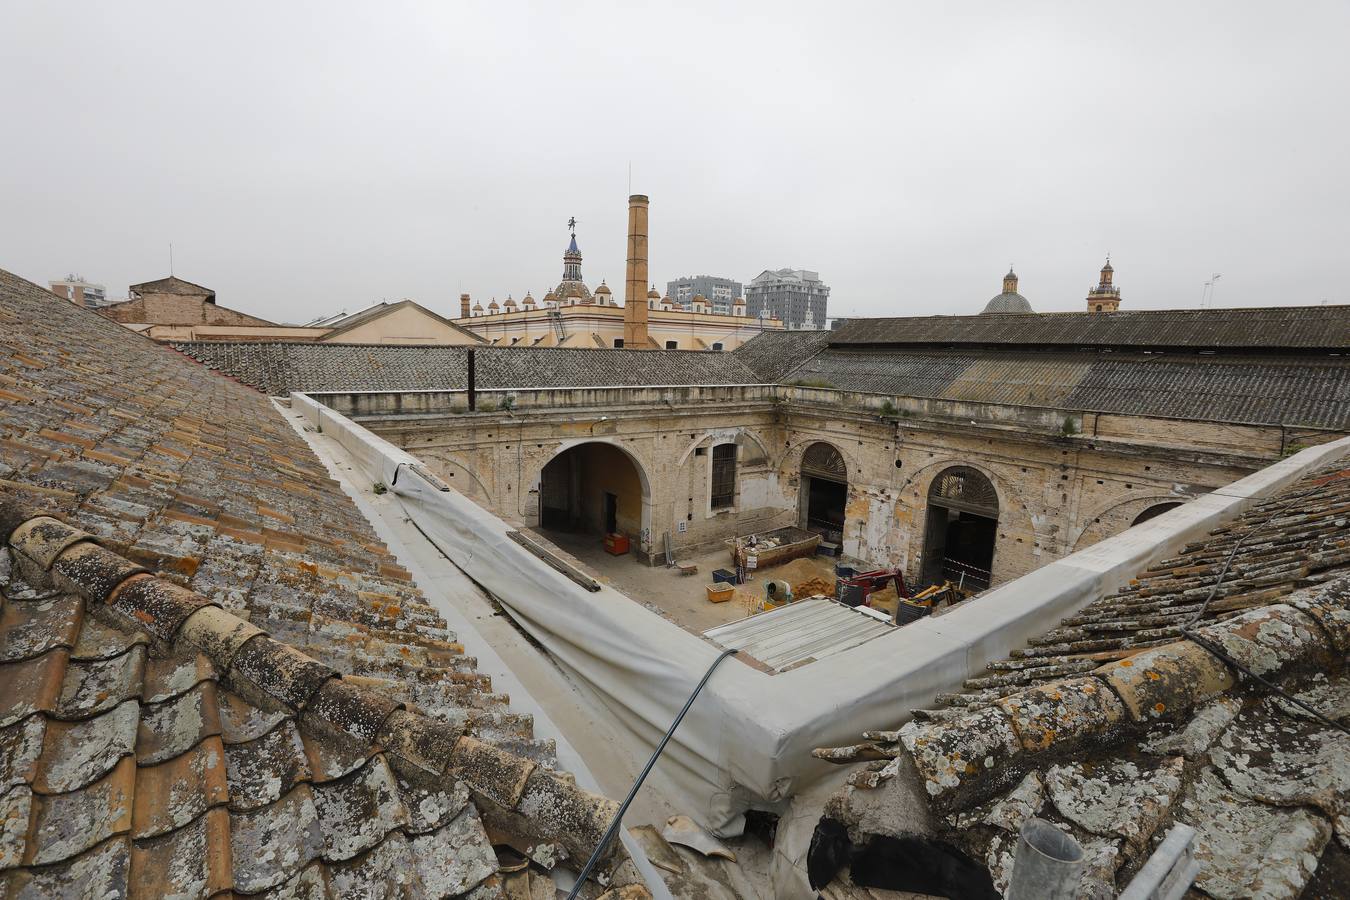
[(273, 673), (1096, 707)]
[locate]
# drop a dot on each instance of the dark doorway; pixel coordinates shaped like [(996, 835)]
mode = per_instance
[(825, 503), (961, 530), (592, 488), (824, 491)]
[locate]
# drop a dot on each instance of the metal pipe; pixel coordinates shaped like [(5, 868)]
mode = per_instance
[(1170, 871), (472, 388), (646, 770), (1048, 866)]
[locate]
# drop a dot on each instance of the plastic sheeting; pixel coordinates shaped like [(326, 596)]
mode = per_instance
[(747, 741)]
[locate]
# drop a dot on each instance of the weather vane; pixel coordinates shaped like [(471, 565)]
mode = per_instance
[(572, 224)]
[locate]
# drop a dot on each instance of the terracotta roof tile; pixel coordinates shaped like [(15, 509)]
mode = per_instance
[(129, 761), (1259, 778)]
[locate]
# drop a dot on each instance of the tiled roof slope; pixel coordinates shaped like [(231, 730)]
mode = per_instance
[(1269, 390), (773, 354), (279, 368), (1268, 328), (527, 367), (200, 480), (1114, 725)]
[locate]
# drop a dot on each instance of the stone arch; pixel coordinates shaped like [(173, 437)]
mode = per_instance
[(1094, 530), (822, 504), (639, 467), (725, 436), (962, 510), (790, 463)]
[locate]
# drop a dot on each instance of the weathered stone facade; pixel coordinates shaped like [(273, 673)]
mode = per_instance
[(1059, 488)]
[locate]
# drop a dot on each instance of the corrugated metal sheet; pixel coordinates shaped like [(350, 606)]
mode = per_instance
[(808, 629), (1303, 327)]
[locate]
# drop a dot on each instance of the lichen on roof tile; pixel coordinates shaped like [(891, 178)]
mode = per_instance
[(65, 825), (266, 768), (32, 628), (192, 861), (101, 872), (1120, 798), (171, 794), (1249, 849), (174, 726), (455, 857), (80, 752), (93, 686), (273, 843), (1286, 760), (358, 811)]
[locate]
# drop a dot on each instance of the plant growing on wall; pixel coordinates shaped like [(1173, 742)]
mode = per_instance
[(888, 408), (1069, 427)]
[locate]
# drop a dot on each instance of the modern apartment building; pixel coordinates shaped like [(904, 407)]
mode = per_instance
[(80, 292), (719, 292), (796, 296)]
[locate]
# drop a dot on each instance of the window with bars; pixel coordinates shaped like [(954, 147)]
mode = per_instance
[(724, 476)]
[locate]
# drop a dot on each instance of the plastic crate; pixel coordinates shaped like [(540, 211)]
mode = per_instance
[(720, 592)]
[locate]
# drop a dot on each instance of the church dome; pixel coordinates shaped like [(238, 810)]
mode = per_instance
[(603, 289), (653, 294), (1009, 301)]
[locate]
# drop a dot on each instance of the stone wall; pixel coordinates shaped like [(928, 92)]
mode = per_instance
[(176, 309), (1063, 482)]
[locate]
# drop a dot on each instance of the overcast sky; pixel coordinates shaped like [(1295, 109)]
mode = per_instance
[(305, 158)]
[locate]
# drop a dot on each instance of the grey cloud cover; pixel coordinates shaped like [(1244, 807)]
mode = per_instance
[(304, 158)]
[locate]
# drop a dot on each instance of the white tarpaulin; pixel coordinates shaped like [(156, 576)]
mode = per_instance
[(747, 741)]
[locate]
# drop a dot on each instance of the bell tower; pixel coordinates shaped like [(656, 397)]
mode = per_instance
[(1105, 297)]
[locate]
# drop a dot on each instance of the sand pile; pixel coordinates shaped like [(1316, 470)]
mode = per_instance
[(808, 576)]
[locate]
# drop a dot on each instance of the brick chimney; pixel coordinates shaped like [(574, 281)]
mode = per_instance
[(635, 286), (464, 306)]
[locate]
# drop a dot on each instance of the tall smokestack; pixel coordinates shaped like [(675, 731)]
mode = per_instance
[(635, 287), (463, 306)]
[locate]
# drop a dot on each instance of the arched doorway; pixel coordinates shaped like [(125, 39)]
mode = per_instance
[(1152, 512), (824, 491), (962, 528), (593, 488)]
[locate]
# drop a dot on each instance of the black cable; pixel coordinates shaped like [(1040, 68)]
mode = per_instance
[(1204, 643), (623, 807)]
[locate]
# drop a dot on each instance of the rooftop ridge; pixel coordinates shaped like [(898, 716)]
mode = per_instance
[(276, 676), (1306, 632)]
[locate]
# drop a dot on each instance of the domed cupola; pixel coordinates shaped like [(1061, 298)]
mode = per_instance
[(1008, 302)]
